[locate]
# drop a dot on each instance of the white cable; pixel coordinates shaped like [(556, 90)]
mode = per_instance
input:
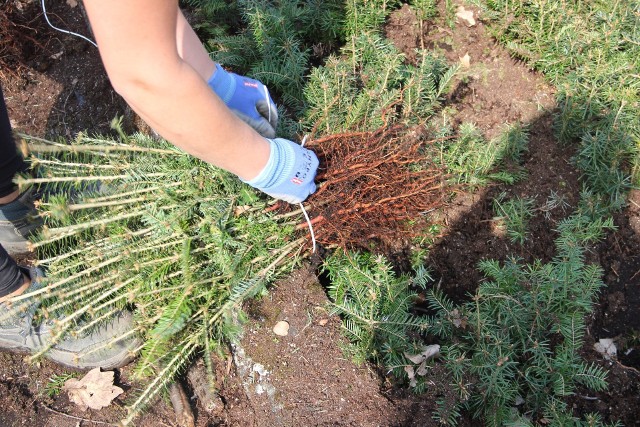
[(313, 236), (266, 95), (304, 211), (44, 11)]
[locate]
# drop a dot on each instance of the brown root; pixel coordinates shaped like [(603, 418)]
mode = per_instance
[(375, 187), (20, 24)]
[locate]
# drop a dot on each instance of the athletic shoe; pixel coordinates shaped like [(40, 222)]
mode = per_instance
[(18, 220), (98, 348)]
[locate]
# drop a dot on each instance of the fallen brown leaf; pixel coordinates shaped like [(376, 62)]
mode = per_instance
[(95, 390), (466, 15)]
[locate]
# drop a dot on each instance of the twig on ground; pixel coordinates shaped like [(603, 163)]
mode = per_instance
[(76, 418), (630, 368)]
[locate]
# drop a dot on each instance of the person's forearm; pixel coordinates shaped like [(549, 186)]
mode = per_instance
[(217, 136), (191, 49), (138, 45)]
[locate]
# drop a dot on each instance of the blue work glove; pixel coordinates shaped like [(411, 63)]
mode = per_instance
[(290, 172), (248, 99)]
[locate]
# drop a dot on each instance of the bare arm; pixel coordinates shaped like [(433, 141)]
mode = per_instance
[(139, 47), (191, 50)]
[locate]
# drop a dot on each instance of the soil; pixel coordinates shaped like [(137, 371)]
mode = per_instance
[(57, 87)]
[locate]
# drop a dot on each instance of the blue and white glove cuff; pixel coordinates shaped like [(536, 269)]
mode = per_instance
[(276, 169), (289, 173), (223, 84)]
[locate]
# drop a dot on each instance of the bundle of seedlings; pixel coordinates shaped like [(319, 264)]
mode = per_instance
[(142, 226), (137, 224)]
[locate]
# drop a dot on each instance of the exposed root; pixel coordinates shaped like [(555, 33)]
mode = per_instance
[(19, 26), (375, 187)]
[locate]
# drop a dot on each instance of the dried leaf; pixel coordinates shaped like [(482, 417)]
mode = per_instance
[(428, 351), (410, 371), (457, 319), (411, 374), (465, 62), (466, 15), (72, 3), (422, 369), (415, 358), (431, 351), (607, 348), (95, 390)]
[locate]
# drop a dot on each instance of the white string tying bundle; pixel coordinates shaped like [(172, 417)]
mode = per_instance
[(304, 211), (46, 17)]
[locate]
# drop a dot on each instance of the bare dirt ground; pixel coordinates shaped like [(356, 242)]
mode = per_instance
[(57, 87)]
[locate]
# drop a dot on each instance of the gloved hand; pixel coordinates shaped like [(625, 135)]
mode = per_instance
[(289, 173), (248, 99)]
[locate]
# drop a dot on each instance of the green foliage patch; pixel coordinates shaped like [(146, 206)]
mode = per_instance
[(273, 41), (514, 214), (591, 52), (375, 306), (370, 86), (514, 355), (512, 349), (141, 225), (474, 161)]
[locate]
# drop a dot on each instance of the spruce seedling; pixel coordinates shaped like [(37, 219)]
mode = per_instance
[(376, 308), (517, 352), (143, 226), (514, 215)]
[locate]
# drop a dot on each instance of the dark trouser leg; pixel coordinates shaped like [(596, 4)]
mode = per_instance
[(10, 161), (11, 277)]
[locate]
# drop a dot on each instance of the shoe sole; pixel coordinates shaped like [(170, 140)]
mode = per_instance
[(91, 351), (70, 360), (15, 249), (117, 360)]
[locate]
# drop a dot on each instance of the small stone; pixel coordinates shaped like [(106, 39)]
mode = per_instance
[(281, 328), (465, 61), (323, 322)]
